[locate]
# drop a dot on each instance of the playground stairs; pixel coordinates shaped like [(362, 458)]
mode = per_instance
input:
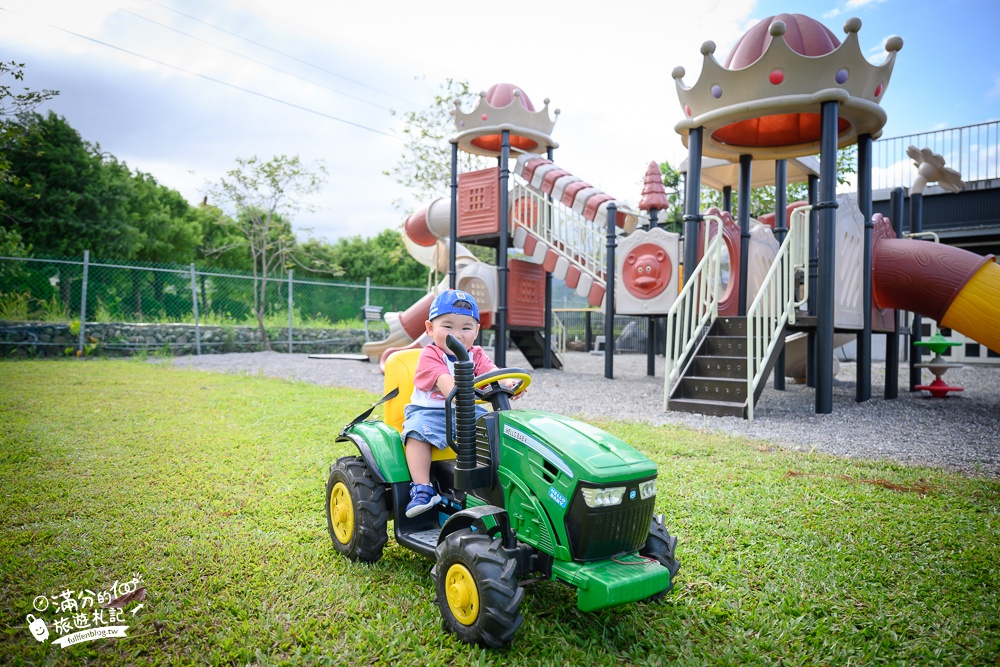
[(531, 344), (714, 382)]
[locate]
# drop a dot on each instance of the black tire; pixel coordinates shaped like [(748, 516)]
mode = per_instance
[(660, 546), (468, 561), (356, 510)]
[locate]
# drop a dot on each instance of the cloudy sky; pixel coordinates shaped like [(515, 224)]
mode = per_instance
[(180, 88)]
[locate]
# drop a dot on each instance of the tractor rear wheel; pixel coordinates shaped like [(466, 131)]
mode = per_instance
[(660, 546), (477, 589), (356, 510)]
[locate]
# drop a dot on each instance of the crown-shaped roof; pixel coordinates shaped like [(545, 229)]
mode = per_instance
[(503, 107), (766, 101)]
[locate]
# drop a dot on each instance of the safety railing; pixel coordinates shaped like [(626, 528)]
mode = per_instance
[(972, 150), (563, 230), (696, 307), (782, 291)]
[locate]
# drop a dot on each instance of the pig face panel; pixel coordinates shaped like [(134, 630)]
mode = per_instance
[(646, 270)]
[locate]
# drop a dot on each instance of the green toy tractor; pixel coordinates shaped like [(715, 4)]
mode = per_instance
[(528, 492)]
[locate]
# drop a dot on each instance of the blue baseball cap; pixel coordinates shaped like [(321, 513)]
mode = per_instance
[(449, 302)]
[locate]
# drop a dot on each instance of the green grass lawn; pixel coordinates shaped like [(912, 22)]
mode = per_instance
[(211, 487)]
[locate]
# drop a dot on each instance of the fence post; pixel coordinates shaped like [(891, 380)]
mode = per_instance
[(368, 291), (290, 311), (194, 305), (83, 300)]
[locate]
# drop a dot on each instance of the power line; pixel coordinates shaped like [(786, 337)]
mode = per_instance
[(219, 81), (281, 53), (259, 62)]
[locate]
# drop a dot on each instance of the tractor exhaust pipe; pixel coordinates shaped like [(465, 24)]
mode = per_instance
[(467, 475)]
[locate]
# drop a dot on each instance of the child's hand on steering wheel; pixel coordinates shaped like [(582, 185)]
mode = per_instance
[(512, 384)]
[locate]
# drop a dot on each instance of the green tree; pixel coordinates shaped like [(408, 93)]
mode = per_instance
[(13, 104), (222, 245), (70, 196), (383, 258), (11, 243), (264, 195), (169, 229), (424, 168)]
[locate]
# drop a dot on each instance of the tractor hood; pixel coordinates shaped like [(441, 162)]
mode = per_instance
[(575, 447)]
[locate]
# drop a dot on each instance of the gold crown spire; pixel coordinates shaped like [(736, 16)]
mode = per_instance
[(503, 107), (770, 108)]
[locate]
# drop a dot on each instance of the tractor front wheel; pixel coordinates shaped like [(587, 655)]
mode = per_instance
[(477, 589), (660, 546), (356, 510)]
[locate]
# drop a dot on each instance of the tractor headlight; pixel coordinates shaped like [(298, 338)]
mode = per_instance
[(603, 497), (648, 489)]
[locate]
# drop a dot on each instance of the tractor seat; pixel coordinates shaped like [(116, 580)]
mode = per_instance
[(400, 368)]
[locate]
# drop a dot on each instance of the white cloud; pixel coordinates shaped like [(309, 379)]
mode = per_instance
[(833, 13), (994, 92), (855, 4)]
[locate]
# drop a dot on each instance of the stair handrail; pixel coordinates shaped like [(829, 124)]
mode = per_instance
[(559, 334), (781, 293), (696, 307)]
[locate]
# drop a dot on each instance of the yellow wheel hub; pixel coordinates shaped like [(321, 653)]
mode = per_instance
[(342, 513), (463, 596)]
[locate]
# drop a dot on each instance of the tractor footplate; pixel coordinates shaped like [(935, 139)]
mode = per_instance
[(429, 536), (609, 583)]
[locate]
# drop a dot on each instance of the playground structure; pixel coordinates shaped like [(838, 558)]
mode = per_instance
[(779, 294), (788, 89), (562, 225)]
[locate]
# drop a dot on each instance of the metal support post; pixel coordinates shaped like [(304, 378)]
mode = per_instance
[(727, 198), (83, 302), (368, 290), (609, 296), (692, 201), (194, 306), (651, 346), (813, 189), (743, 214), (291, 311), (502, 270), (780, 229), (827, 258), (547, 356), (863, 387), (892, 339), (916, 330), (453, 220)]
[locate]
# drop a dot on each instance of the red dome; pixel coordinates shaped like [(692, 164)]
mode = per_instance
[(501, 94), (804, 35)]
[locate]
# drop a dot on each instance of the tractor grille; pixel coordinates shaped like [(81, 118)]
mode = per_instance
[(596, 533)]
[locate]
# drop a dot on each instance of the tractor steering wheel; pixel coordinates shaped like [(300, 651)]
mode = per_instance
[(488, 387)]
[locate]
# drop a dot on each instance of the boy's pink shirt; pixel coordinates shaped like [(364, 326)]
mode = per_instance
[(432, 364)]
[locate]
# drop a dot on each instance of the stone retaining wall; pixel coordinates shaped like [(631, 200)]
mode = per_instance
[(23, 339)]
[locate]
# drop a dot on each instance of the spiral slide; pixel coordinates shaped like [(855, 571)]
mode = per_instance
[(958, 288)]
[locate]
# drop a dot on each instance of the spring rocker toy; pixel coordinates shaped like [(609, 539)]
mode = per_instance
[(937, 344)]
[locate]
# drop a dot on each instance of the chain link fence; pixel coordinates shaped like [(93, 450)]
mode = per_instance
[(585, 331), (66, 306)]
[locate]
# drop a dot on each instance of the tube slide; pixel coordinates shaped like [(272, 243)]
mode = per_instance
[(958, 288), (425, 236)]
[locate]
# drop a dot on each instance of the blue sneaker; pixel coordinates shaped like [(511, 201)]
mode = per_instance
[(422, 498)]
